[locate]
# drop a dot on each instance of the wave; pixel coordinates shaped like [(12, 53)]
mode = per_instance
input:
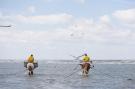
[(74, 61), (94, 61)]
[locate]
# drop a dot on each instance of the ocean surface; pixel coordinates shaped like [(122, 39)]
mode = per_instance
[(67, 75)]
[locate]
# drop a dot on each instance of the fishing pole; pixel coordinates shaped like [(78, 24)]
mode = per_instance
[(76, 58), (76, 71), (73, 72), (69, 75)]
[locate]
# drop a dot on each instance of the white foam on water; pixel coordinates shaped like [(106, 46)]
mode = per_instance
[(25, 73), (79, 72), (94, 61)]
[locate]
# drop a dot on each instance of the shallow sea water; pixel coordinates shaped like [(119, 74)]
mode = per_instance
[(67, 76)]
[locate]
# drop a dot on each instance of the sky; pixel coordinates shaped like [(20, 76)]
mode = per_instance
[(61, 29)]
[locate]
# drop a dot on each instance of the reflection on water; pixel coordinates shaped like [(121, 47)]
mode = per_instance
[(66, 76)]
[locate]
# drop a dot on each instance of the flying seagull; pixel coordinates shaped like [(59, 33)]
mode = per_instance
[(5, 25)]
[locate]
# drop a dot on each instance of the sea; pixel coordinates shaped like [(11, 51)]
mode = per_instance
[(66, 74)]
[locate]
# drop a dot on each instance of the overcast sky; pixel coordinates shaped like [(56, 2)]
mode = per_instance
[(57, 29)]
